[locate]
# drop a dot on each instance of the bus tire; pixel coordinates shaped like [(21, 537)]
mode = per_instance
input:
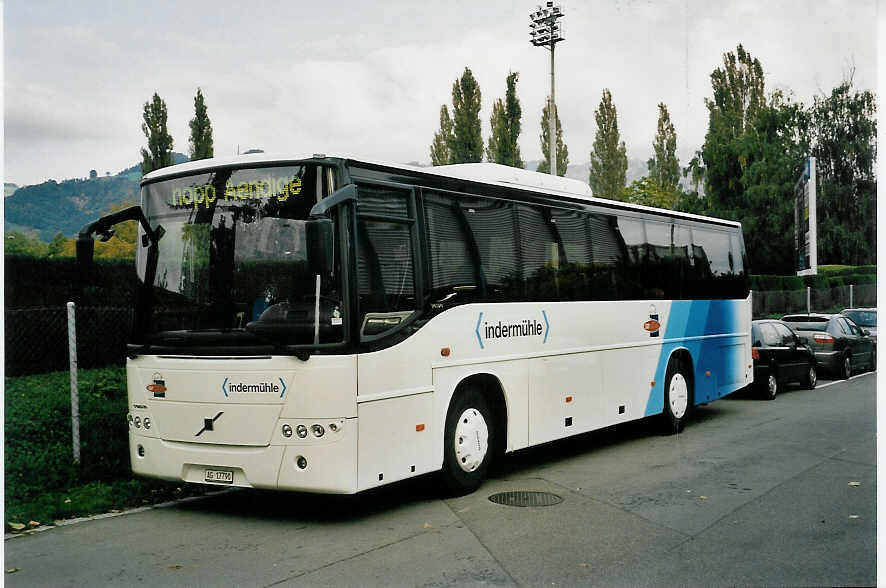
[(677, 398), (469, 438)]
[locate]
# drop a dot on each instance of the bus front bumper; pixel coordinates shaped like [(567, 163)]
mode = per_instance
[(311, 465)]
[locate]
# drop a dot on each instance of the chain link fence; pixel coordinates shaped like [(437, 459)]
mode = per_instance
[(776, 303), (36, 339)]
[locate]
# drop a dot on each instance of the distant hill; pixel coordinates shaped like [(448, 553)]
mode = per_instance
[(66, 206)]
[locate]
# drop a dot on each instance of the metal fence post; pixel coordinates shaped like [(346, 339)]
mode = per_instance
[(808, 299), (75, 395), (851, 288)]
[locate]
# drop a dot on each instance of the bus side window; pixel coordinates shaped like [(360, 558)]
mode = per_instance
[(665, 262), (453, 271), (575, 271), (607, 256), (493, 226), (540, 254), (631, 275), (385, 266)]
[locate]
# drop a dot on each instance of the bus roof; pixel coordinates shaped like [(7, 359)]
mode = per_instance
[(484, 173)]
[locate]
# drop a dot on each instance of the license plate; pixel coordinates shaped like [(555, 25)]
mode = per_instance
[(219, 476)]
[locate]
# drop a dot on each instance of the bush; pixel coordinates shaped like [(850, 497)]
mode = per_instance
[(42, 481)]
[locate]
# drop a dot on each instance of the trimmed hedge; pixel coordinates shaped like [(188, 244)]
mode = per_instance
[(47, 282), (857, 276)]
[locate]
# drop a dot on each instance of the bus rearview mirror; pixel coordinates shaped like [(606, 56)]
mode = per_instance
[(85, 248), (318, 233)]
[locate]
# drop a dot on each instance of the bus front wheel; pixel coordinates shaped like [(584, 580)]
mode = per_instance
[(677, 398), (467, 445)]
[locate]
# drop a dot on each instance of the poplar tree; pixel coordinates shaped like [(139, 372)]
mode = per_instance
[(440, 154), (159, 151), (201, 130), (505, 122), (544, 166), (609, 159), (738, 96), (467, 141), (664, 167)]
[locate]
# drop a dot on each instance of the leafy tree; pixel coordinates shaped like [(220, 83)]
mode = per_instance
[(843, 132), (93, 174), (695, 170), (443, 138), (505, 122), (664, 167), (738, 94), (648, 192), (18, 243), (467, 140), (544, 166), (609, 159), (159, 151), (57, 245), (772, 152), (201, 130)]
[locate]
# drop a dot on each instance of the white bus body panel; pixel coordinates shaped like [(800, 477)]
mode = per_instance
[(229, 414), (563, 367)]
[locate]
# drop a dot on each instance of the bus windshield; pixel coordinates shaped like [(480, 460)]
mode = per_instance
[(232, 265)]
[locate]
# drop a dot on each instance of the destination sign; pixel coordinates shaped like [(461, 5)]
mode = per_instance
[(280, 188)]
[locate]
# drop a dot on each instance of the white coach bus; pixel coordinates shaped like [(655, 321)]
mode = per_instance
[(329, 324)]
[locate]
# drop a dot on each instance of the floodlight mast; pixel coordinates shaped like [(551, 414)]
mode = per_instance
[(546, 31)]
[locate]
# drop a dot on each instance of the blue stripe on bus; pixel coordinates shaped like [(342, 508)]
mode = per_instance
[(696, 318)]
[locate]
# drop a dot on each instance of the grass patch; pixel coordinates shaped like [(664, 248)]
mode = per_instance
[(42, 482)]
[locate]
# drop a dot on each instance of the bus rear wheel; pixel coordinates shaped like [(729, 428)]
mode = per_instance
[(677, 398), (468, 441)]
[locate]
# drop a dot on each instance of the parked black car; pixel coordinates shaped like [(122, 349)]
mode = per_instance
[(780, 357), (866, 318), (839, 344)]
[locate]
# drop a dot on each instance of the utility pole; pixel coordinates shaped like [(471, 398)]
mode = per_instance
[(545, 30)]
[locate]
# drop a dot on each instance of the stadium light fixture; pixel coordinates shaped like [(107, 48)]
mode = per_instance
[(545, 30)]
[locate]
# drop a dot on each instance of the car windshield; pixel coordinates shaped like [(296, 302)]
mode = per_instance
[(233, 259), (863, 318)]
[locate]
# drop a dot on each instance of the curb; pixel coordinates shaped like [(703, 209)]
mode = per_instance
[(109, 515)]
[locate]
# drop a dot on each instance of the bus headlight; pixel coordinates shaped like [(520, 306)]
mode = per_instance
[(287, 431), (147, 423), (318, 430), (138, 422), (301, 431)]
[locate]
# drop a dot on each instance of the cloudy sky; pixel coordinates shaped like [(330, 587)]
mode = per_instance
[(368, 78)]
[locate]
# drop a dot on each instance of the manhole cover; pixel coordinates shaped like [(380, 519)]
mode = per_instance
[(526, 498)]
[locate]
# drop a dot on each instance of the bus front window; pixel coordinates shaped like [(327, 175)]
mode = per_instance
[(233, 262)]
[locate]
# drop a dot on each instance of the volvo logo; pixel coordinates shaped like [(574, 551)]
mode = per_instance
[(208, 424)]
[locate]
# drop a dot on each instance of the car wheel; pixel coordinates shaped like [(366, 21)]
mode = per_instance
[(770, 386), (811, 377), (846, 368), (677, 398), (467, 445)]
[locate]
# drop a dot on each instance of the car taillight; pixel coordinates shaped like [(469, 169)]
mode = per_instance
[(823, 338), (755, 354)]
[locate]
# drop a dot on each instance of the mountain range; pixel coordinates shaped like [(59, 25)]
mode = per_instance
[(65, 207)]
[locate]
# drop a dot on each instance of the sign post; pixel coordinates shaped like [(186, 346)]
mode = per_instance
[(805, 231)]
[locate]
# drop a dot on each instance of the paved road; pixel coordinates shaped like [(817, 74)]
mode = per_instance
[(753, 492)]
